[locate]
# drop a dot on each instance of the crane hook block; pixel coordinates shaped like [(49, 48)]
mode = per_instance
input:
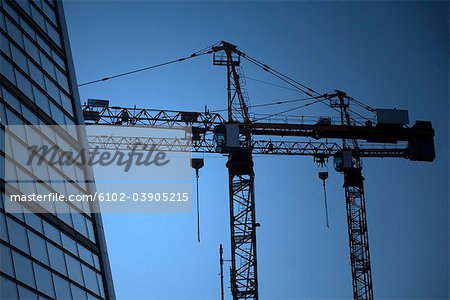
[(197, 163), (323, 175)]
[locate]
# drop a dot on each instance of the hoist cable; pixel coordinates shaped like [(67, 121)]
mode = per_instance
[(281, 102), (270, 103), (301, 86), (198, 208), (195, 54), (287, 110), (326, 203), (290, 81), (269, 70), (273, 84)]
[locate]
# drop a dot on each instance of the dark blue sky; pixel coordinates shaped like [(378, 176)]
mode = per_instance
[(386, 54)]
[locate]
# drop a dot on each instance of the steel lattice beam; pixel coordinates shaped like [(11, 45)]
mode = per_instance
[(357, 232), (243, 236), (95, 115), (299, 148)]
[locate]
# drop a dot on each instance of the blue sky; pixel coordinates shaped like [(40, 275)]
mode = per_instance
[(386, 54)]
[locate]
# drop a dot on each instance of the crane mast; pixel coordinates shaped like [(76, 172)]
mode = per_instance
[(241, 183), (356, 211), (239, 137)]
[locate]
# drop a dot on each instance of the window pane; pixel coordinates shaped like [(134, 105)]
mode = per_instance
[(37, 75), (8, 289), (38, 3), (24, 84), (49, 12), (30, 116), (48, 66), (66, 217), (58, 60), (90, 230), (100, 284), (78, 293), (26, 294), (13, 119), (19, 58), (25, 5), (11, 100), (79, 223), (7, 69), (52, 233), (5, 255), (5, 45), (44, 46), (85, 254), (14, 32), (90, 278), (2, 165), (96, 262), (52, 90), (38, 248), (41, 101), (3, 232), (62, 80), (44, 280), (27, 28), (3, 121), (57, 260), (69, 244), (34, 221), (10, 11), (62, 288), (24, 269), (32, 49), (53, 35), (74, 268), (2, 22), (17, 235), (57, 114), (38, 17)]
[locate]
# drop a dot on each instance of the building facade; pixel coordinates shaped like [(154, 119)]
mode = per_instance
[(50, 255)]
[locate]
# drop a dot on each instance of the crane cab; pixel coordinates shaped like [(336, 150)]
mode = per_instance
[(226, 138), (343, 161)]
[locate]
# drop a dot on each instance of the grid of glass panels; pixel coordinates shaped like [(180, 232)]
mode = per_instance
[(44, 16), (76, 185), (41, 259), (23, 56), (31, 34), (37, 254)]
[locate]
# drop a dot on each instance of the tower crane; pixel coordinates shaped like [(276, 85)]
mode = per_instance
[(239, 136)]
